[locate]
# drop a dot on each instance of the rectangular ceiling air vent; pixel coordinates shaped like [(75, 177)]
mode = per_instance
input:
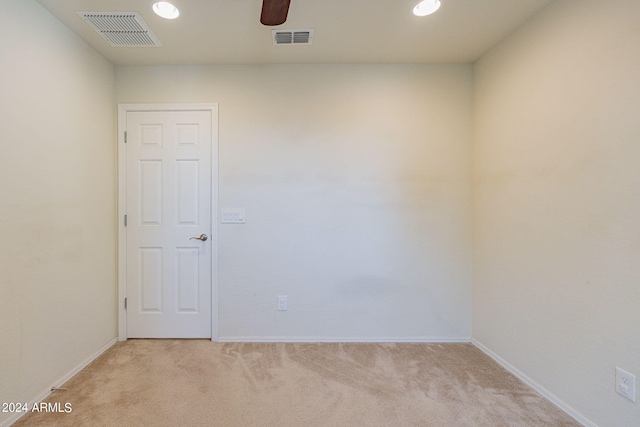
[(121, 29), (292, 36)]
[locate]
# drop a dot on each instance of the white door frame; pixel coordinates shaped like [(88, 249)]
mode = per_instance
[(123, 109)]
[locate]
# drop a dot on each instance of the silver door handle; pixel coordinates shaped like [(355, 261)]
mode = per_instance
[(202, 237)]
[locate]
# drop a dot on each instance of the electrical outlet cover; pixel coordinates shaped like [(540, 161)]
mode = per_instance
[(282, 303), (626, 384)]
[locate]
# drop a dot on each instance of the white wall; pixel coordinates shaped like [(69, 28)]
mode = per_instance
[(356, 185), (57, 208), (556, 281)]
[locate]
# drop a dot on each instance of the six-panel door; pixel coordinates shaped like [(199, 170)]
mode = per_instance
[(169, 190)]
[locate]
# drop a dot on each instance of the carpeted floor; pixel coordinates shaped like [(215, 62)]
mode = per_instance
[(201, 383)]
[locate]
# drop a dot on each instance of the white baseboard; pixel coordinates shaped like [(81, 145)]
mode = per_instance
[(64, 379), (534, 385), (346, 339)]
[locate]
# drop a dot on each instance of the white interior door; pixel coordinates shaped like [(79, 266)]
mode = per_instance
[(169, 224)]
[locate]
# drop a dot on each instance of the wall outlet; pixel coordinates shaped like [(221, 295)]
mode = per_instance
[(282, 303), (626, 384)]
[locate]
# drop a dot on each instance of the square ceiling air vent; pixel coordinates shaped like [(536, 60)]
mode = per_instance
[(292, 37), (121, 29)]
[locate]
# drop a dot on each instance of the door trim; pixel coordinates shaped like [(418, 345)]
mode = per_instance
[(123, 109)]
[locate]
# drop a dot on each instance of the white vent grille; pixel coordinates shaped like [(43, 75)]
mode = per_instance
[(292, 36), (121, 29)]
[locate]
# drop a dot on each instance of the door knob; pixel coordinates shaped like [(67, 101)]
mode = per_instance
[(202, 237)]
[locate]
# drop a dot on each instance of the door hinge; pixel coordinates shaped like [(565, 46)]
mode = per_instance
[(125, 303), (125, 136), (125, 220)]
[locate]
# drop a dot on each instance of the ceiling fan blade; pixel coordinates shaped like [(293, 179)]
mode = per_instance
[(274, 12)]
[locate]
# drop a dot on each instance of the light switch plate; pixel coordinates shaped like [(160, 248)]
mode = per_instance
[(232, 216)]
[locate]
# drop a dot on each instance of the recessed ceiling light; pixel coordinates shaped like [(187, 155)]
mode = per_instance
[(166, 10), (426, 7)]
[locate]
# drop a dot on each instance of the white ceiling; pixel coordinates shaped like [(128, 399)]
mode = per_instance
[(345, 31)]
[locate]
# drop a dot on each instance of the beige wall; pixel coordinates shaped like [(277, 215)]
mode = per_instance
[(57, 208), (556, 282), (356, 185)]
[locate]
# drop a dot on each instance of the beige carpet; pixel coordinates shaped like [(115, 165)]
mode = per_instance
[(200, 383)]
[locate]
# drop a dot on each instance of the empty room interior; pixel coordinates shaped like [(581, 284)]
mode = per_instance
[(471, 176)]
